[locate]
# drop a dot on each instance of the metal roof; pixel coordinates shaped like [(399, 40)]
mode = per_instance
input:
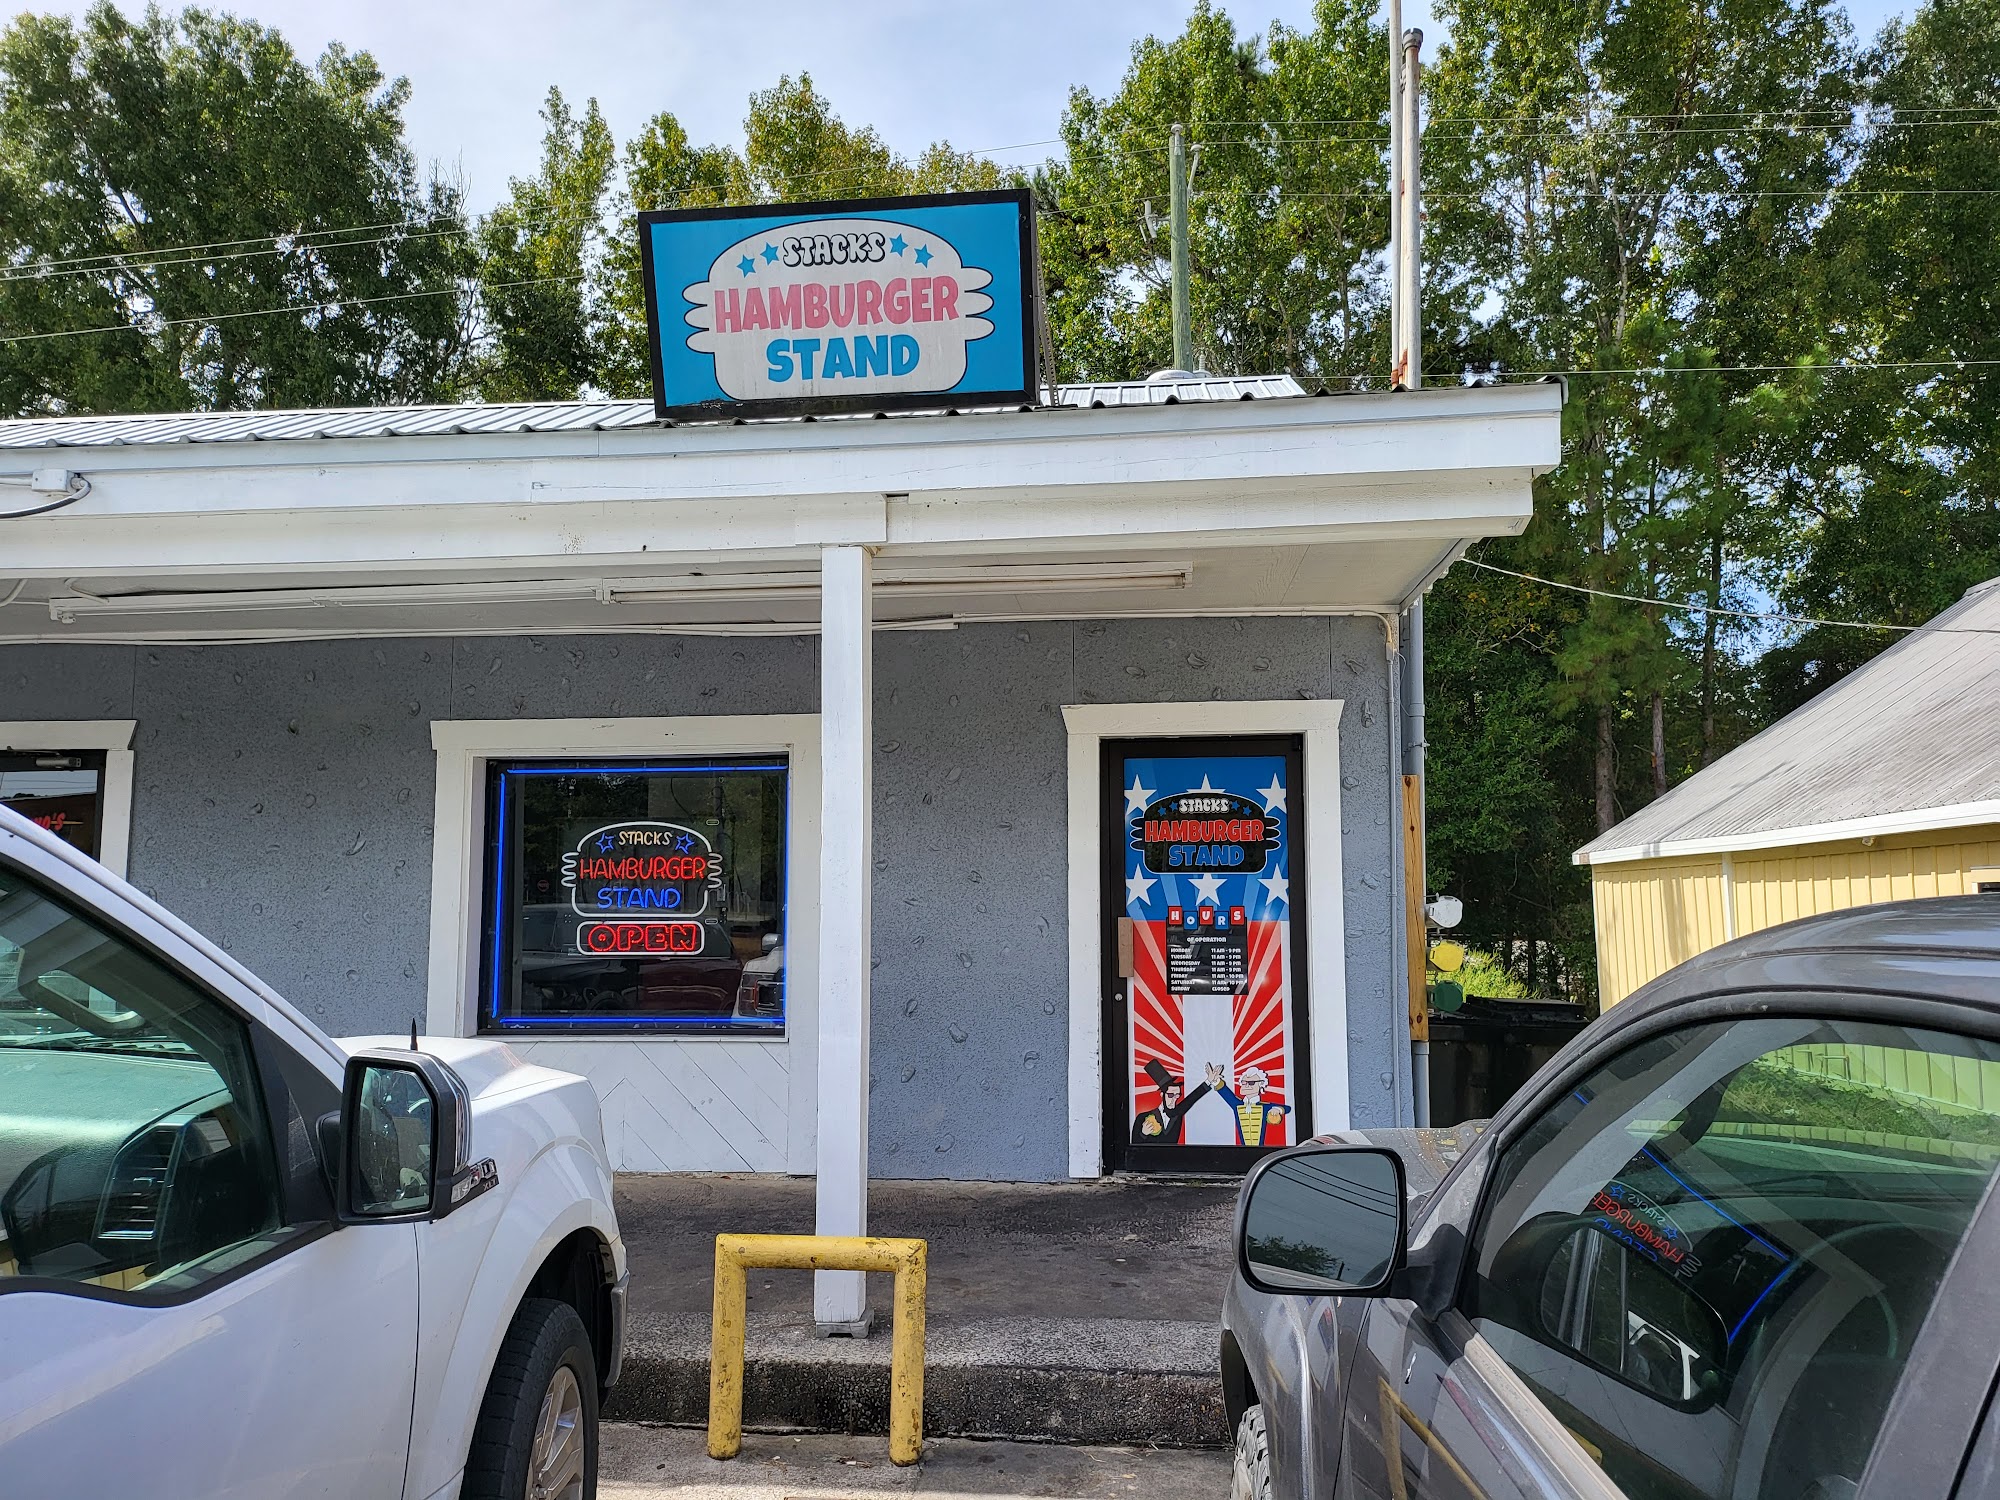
[(542, 416), (1909, 741)]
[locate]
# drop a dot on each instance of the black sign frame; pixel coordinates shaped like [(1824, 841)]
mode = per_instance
[(725, 410)]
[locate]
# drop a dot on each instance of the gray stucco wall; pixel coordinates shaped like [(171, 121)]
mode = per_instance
[(283, 804)]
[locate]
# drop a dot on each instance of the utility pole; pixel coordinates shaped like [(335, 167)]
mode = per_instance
[(1178, 216)]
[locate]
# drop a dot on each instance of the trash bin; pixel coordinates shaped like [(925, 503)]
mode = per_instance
[(1484, 1051)]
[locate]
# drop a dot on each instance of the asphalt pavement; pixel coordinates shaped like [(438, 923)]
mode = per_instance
[(654, 1463)]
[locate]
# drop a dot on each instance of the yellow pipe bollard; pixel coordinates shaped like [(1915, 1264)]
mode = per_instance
[(738, 1253)]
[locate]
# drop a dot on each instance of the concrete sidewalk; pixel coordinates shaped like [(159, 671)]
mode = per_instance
[(655, 1463), (1080, 1313)]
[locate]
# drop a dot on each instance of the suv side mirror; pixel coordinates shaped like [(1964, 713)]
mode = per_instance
[(405, 1136), (1323, 1219)]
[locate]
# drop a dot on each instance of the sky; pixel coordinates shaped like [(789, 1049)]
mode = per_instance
[(993, 78)]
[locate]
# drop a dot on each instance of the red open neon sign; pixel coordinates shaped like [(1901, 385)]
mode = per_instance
[(640, 937)]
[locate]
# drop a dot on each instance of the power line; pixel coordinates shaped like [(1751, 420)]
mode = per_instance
[(1854, 364), (112, 262), (1858, 114), (121, 261), (1502, 377), (272, 239), (335, 304), (398, 227), (403, 230), (1711, 609), (1733, 194), (407, 228), (133, 262), (1567, 130)]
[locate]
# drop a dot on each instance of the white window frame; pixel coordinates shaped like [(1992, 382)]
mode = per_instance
[(114, 738), (464, 749), (1090, 724)]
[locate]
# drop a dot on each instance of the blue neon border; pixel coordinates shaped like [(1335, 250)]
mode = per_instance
[(495, 908)]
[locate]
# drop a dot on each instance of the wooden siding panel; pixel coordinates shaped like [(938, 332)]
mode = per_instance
[(1649, 919), (1653, 914), (707, 1106)]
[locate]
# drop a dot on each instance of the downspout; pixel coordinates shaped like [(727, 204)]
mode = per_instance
[(1396, 1081), (1413, 768)]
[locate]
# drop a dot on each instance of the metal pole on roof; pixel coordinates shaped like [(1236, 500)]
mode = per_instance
[(1395, 169), (1178, 215), (1408, 367)]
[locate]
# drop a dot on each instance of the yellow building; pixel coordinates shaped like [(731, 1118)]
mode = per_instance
[(1884, 787)]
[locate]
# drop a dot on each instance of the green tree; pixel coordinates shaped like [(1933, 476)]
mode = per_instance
[(1505, 775), (1899, 497), (795, 149), (1605, 174), (323, 271), (536, 253), (1288, 212)]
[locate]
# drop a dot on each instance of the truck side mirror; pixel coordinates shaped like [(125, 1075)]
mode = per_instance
[(405, 1139), (1323, 1220)]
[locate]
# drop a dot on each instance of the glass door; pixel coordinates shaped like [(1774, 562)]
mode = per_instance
[(1205, 1010)]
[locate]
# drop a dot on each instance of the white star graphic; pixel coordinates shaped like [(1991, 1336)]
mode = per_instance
[(1139, 887), (1137, 796), (1207, 889), (1279, 887), (1273, 795), (1204, 787)]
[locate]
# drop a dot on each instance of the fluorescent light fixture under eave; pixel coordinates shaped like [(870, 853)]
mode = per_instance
[(705, 588)]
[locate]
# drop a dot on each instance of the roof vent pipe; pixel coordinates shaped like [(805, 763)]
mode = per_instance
[(1406, 301)]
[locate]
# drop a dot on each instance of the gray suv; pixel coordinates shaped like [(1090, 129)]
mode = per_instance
[(1736, 1240)]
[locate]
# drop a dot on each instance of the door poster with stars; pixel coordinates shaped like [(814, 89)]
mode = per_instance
[(1207, 850)]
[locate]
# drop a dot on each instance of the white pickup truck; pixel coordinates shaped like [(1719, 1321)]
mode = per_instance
[(238, 1258)]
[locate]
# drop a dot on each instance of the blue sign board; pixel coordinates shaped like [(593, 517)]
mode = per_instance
[(861, 305)]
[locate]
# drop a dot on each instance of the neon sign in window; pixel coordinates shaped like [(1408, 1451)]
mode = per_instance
[(62, 790), (644, 896)]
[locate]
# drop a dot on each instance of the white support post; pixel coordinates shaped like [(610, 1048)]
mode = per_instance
[(846, 687)]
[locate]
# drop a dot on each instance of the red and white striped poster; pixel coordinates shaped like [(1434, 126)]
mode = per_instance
[(1210, 1015)]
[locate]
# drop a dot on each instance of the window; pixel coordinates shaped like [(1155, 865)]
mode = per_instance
[(1712, 1259), (63, 790), (640, 897), (135, 1153)]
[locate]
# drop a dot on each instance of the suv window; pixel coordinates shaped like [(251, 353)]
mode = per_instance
[(135, 1154), (1712, 1258)]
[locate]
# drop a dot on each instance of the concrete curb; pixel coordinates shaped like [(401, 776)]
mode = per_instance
[(1043, 1380)]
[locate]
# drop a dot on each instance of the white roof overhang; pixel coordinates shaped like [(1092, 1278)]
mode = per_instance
[(1282, 506), (1875, 825)]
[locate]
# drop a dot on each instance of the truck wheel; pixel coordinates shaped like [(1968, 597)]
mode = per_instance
[(1251, 1479), (536, 1438)]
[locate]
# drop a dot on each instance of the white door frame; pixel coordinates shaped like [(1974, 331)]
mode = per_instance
[(114, 738), (1090, 724), (458, 842)]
